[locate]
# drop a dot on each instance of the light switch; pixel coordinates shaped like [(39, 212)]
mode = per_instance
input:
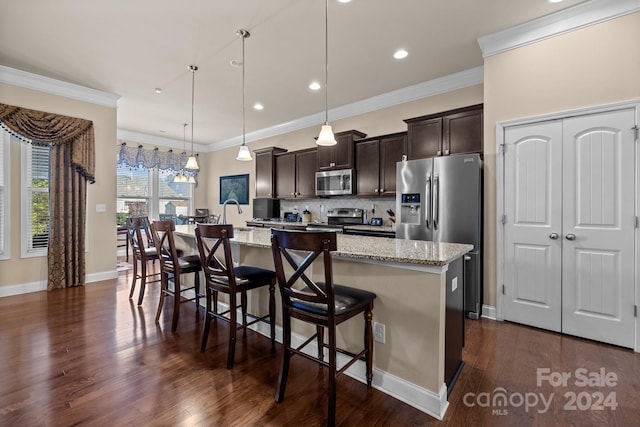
[(101, 207), (454, 284)]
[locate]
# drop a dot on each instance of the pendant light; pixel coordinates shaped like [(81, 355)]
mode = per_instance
[(192, 163), (326, 133), (180, 176), (244, 155)]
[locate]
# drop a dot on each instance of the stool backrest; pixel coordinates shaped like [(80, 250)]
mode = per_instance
[(283, 242), (162, 232), (210, 237), (136, 226)]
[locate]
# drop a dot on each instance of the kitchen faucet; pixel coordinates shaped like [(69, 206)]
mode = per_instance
[(224, 209)]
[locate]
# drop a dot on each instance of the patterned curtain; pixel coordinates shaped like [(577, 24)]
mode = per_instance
[(72, 164)]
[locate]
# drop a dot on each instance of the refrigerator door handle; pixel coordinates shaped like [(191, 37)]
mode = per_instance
[(436, 201), (427, 196)]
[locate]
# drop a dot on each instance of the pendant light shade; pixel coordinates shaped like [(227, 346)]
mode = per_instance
[(326, 133), (244, 155), (192, 163)]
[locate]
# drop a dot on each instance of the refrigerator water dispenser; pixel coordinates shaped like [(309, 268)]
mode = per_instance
[(410, 208)]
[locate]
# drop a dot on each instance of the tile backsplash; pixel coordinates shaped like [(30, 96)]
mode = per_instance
[(319, 207)]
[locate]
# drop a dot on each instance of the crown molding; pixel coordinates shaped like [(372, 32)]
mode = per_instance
[(569, 19), (460, 80), (57, 87)]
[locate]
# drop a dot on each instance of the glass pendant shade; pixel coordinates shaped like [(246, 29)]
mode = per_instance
[(191, 180), (326, 136), (192, 164), (244, 155), (180, 177)]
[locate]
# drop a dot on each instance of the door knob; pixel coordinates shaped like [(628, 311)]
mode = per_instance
[(553, 236), (570, 236)]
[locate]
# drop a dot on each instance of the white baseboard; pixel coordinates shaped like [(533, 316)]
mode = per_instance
[(41, 285), (23, 288), (488, 312)]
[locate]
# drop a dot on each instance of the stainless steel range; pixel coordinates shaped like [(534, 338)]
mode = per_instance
[(337, 218)]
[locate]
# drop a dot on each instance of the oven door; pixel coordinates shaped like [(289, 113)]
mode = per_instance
[(334, 183)]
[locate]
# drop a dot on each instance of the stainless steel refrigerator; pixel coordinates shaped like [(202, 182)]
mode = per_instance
[(440, 199)]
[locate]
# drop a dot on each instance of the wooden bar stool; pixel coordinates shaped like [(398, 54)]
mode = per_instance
[(143, 250), (222, 276), (173, 265), (324, 304)]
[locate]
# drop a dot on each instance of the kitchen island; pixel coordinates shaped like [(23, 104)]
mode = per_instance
[(412, 280)]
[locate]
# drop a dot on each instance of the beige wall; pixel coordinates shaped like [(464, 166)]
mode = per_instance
[(385, 121), (101, 256), (596, 65)]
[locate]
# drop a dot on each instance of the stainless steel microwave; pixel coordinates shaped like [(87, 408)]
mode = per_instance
[(335, 183)]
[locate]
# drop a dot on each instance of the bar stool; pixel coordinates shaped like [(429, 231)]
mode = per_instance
[(222, 276), (324, 304), (172, 264), (143, 250)]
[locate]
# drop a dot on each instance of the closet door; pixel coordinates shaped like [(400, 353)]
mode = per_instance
[(598, 227), (570, 192), (533, 208)]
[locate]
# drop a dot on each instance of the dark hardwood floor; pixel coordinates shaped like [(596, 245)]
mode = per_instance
[(90, 356)]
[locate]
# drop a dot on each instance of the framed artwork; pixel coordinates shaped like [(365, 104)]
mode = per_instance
[(235, 187)]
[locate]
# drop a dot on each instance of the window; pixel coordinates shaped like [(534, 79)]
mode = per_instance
[(133, 193), (150, 192), (5, 141), (35, 199)]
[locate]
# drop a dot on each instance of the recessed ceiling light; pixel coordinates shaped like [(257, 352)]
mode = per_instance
[(158, 90), (555, 1), (258, 106), (315, 86), (344, 1), (400, 53)]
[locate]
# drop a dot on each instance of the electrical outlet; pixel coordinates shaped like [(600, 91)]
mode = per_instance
[(378, 332)]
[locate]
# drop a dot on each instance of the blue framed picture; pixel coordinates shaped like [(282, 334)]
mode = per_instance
[(235, 187)]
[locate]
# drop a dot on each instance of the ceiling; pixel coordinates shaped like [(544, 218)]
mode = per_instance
[(129, 48)]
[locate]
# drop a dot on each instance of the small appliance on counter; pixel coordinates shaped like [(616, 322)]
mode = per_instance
[(266, 209), (291, 216)]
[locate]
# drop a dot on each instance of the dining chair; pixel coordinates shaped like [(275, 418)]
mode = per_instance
[(173, 266), (324, 304), (143, 250), (222, 276)]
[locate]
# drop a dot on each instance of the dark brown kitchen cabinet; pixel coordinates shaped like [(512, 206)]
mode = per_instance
[(295, 174), (451, 132), (376, 160), (339, 156), (266, 171)]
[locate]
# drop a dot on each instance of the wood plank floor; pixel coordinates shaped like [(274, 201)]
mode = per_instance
[(90, 356)]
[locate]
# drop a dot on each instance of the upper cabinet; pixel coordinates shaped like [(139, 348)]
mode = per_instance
[(451, 132), (266, 171), (295, 174), (339, 156), (376, 160)]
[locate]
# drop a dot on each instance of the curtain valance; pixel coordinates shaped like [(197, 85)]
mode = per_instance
[(139, 157), (54, 129)]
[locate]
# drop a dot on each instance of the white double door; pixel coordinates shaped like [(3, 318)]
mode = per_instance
[(569, 260)]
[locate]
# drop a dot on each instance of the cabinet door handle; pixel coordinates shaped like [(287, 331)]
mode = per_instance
[(382, 190), (375, 190), (446, 152), (553, 236), (570, 236), (439, 153)]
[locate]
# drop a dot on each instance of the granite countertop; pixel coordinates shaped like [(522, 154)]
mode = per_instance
[(382, 228), (361, 247)]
